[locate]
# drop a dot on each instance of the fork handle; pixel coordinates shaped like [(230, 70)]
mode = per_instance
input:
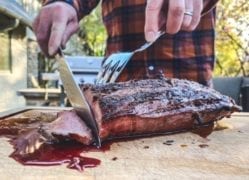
[(148, 44)]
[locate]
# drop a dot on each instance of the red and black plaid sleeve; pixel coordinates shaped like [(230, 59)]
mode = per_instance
[(83, 7)]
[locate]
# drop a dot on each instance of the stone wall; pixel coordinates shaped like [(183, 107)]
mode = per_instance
[(15, 79)]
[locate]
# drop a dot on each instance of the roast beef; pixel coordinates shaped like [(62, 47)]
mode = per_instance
[(67, 126), (142, 108), (154, 106)]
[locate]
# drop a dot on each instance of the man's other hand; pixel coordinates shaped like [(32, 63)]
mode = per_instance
[(179, 15), (54, 25)]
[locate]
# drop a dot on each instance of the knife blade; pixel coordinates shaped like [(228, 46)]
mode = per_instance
[(76, 97)]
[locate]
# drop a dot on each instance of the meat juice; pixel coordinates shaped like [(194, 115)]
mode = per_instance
[(204, 131), (70, 153)]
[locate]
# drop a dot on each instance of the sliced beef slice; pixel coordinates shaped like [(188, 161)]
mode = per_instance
[(67, 126)]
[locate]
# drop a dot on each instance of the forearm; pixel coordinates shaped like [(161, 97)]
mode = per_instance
[(83, 7)]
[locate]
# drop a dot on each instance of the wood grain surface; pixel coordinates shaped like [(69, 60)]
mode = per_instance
[(223, 155)]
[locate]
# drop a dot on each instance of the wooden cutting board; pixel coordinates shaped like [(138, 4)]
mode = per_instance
[(224, 155)]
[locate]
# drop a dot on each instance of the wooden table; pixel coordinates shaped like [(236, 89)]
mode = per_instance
[(226, 156)]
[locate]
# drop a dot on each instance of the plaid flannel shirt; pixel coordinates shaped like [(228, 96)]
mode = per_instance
[(185, 55)]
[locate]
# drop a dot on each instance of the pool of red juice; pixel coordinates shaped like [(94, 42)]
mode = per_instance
[(70, 153)]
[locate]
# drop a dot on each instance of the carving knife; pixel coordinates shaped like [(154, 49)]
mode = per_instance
[(76, 97)]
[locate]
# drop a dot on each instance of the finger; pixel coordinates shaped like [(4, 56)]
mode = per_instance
[(57, 31), (72, 28), (187, 18), (175, 16), (42, 30), (198, 6), (152, 18)]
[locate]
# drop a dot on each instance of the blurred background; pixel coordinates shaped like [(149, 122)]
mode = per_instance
[(28, 78)]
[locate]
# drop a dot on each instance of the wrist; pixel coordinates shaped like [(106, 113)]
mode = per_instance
[(72, 3)]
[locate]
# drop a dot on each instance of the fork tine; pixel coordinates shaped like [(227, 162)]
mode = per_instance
[(110, 72), (101, 74), (125, 58), (115, 63), (112, 67), (114, 77), (108, 60), (108, 64), (118, 70), (106, 69), (100, 81)]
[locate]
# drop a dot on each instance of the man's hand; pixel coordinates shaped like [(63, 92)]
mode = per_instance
[(54, 25), (180, 15)]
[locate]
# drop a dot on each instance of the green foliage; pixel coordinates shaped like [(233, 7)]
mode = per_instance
[(91, 37), (93, 34), (227, 63), (232, 38)]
